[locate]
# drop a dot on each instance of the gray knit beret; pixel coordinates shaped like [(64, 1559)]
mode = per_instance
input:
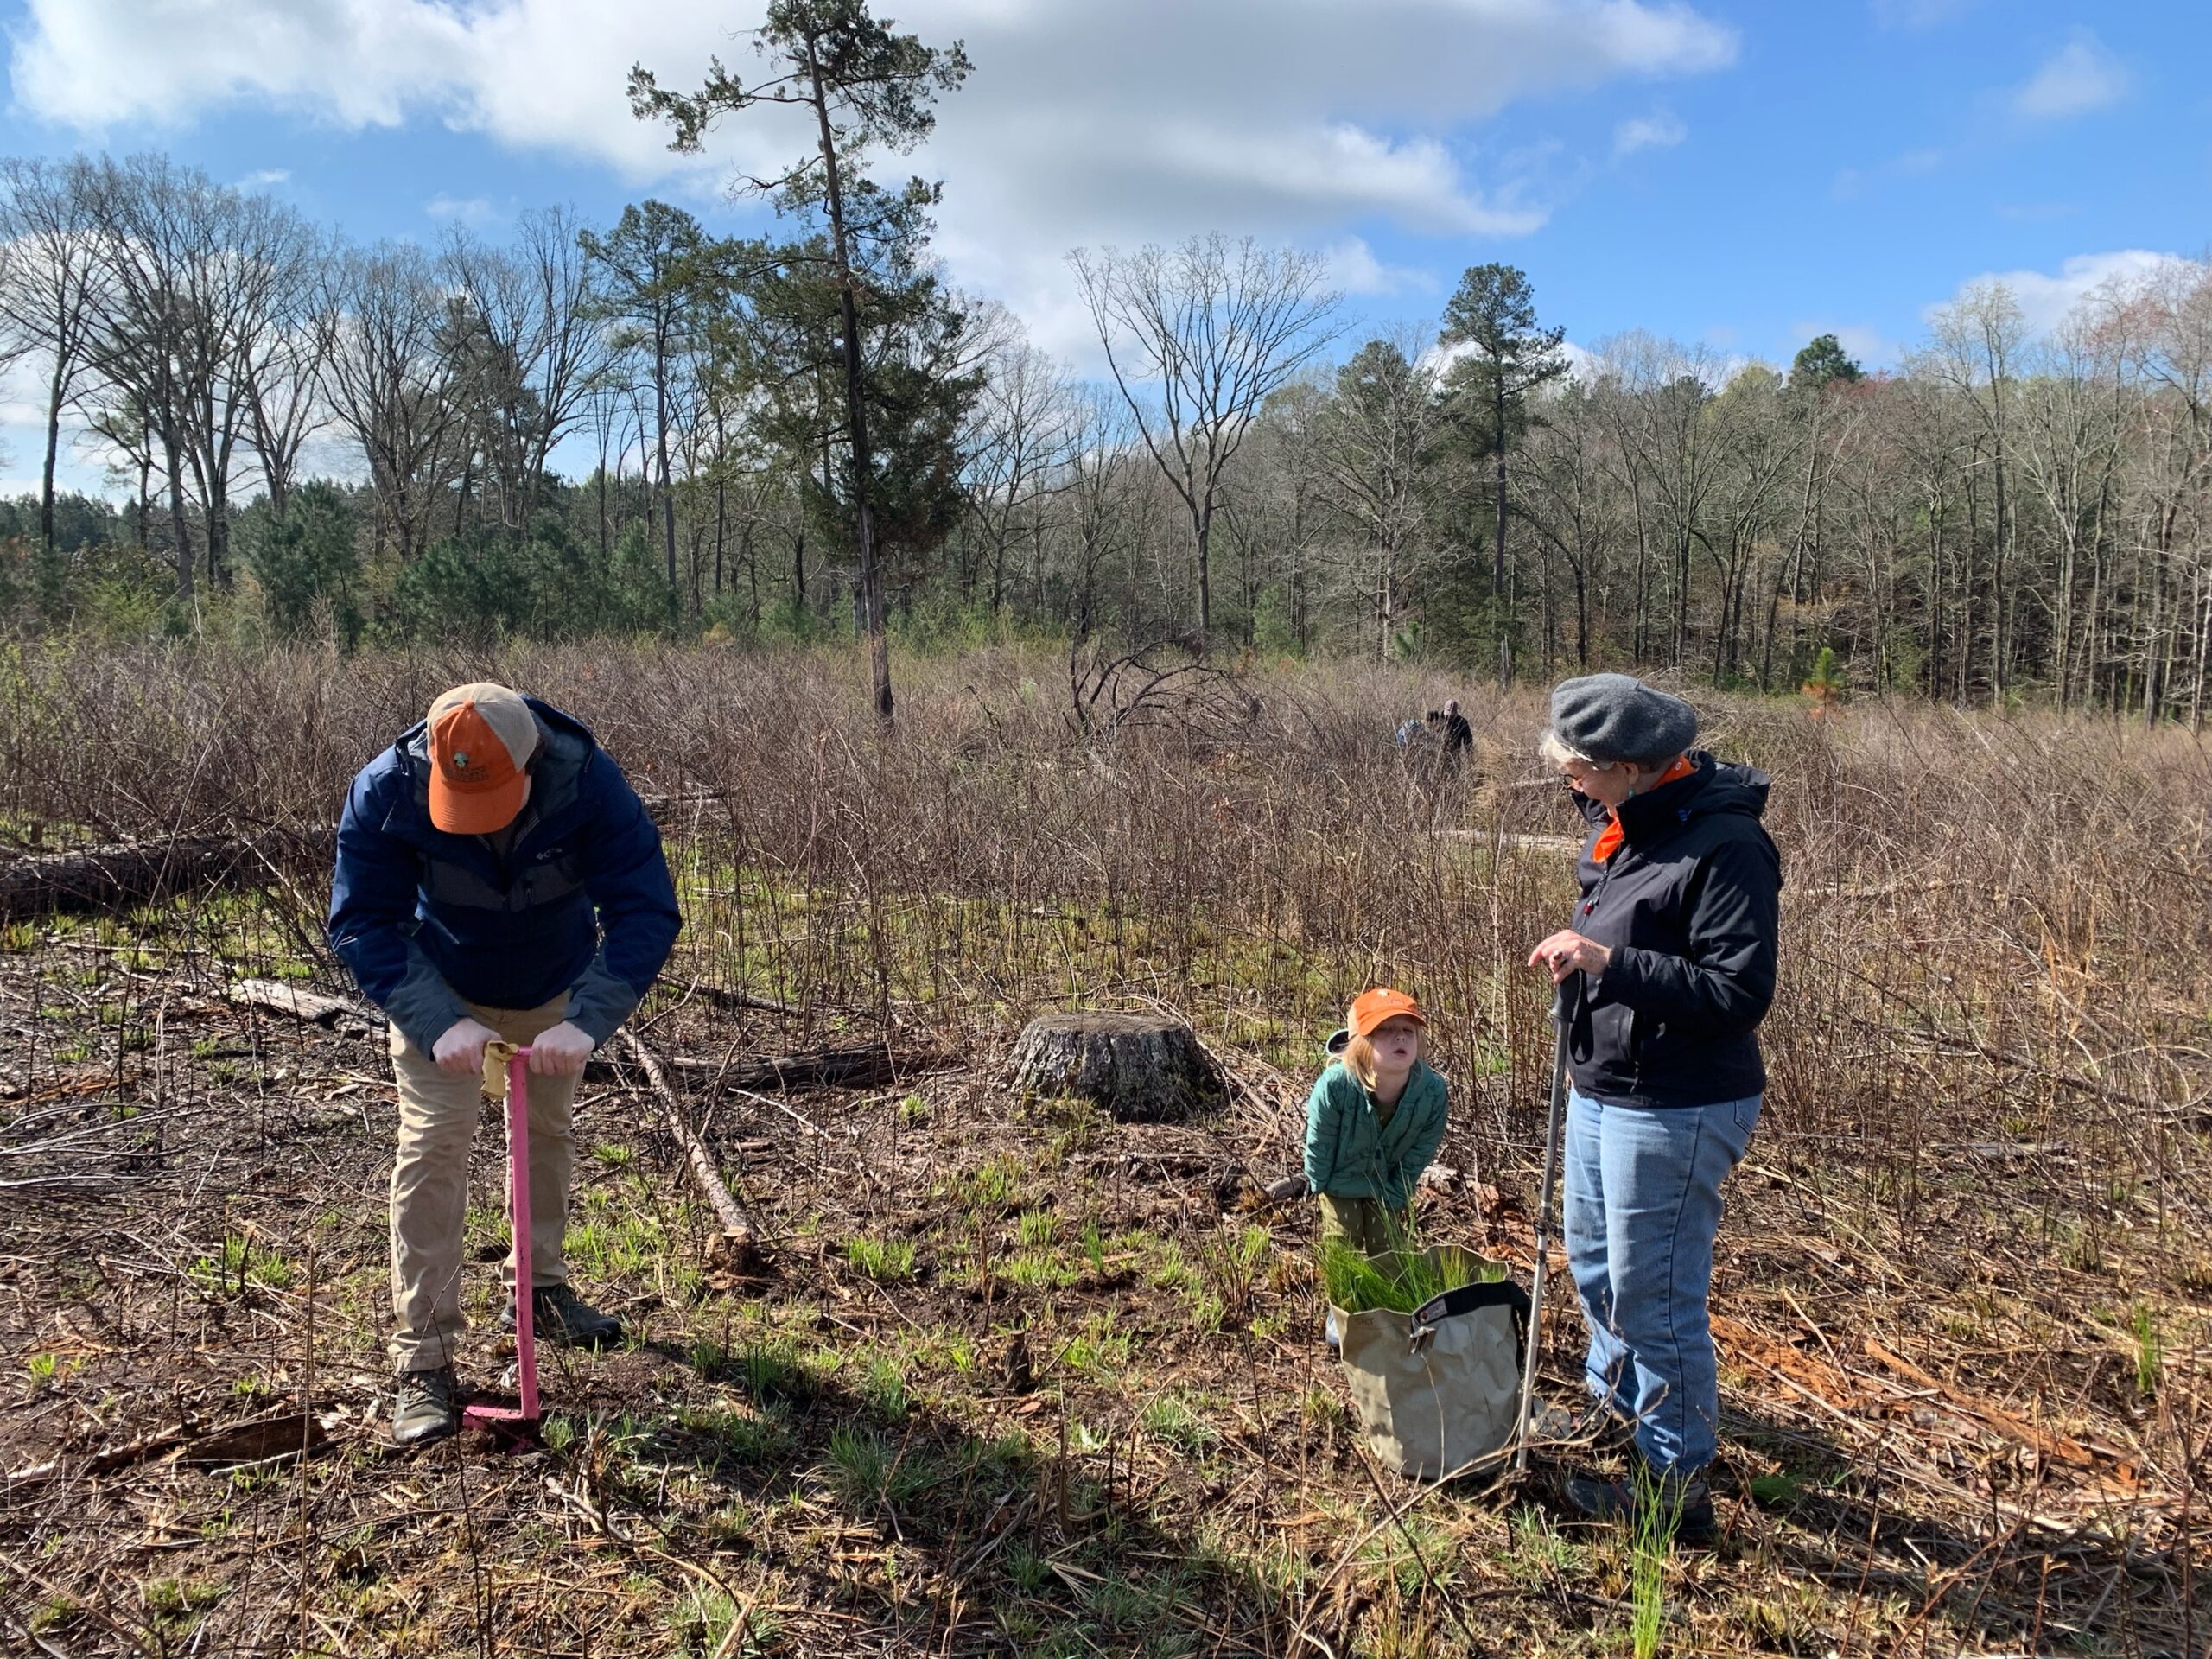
[(1618, 717)]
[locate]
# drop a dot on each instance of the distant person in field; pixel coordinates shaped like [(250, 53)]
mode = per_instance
[(497, 879), (1665, 975), (1373, 1122), (1458, 736)]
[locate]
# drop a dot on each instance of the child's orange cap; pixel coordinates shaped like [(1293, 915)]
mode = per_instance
[(1370, 1008)]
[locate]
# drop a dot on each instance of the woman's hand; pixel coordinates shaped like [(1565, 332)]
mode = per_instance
[(1567, 951)]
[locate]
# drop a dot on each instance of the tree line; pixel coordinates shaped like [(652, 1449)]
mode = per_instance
[(643, 426)]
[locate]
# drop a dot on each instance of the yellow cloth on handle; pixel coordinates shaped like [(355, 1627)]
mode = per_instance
[(496, 1054)]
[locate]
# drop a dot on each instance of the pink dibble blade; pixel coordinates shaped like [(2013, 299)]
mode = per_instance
[(518, 1222)]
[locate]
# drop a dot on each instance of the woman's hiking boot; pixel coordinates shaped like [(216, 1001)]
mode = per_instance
[(425, 1406), (559, 1315), (1675, 1509)]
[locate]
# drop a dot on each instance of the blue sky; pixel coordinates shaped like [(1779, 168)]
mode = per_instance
[(1738, 173)]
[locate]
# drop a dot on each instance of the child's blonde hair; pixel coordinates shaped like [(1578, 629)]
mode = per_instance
[(1358, 1057)]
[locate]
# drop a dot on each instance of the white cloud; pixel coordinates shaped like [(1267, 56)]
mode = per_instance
[(1082, 123), (474, 211), (266, 178), (85, 62), (2045, 298), (1582, 362), (1659, 131), (2080, 76), (1354, 268)]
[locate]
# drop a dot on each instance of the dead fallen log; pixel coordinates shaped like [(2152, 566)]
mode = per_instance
[(271, 1437), (310, 1007), (840, 1068), (714, 996), (96, 878), (861, 1067), (737, 1248), (281, 1434), (1518, 843)]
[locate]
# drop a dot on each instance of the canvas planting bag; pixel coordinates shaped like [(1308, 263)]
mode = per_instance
[(1437, 1388)]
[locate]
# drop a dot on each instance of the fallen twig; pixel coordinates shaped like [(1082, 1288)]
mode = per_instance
[(739, 1247)]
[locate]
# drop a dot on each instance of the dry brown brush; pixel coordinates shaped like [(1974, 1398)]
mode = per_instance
[(1965, 1258)]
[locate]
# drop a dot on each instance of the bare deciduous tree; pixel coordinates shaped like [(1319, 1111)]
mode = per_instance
[(1375, 438), (49, 220), (389, 381), (1197, 337), (1022, 435)]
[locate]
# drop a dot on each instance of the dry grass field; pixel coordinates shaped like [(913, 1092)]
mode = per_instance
[(1020, 1379)]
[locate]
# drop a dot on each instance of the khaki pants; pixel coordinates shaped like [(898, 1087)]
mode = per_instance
[(438, 1117), (1362, 1222)]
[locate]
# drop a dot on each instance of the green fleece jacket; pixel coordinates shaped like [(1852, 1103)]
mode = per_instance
[(1352, 1153)]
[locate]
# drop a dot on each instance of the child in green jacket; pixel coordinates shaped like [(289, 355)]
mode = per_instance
[(1373, 1122)]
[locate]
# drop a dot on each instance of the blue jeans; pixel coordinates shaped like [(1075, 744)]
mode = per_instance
[(1642, 1204)]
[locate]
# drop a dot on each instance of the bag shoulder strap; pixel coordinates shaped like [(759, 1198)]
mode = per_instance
[(1469, 1298), (1466, 1298)]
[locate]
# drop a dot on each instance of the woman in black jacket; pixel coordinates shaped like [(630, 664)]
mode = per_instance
[(1664, 976)]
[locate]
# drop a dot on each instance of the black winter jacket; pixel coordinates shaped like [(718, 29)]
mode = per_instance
[(1689, 906)]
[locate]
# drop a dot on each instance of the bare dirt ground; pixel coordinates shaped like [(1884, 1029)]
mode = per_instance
[(1017, 1380)]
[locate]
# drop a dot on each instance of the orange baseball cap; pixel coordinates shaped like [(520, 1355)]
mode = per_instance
[(1371, 1008), (481, 739)]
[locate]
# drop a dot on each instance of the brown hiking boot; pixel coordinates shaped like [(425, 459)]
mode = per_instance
[(425, 1407), (561, 1316)]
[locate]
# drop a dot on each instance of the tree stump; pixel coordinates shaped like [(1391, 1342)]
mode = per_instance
[(1142, 1069)]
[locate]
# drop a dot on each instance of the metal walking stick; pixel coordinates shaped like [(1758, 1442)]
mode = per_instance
[(1543, 1229), (506, 1075)]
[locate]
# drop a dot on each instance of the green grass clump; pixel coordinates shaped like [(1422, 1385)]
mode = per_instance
[(2150, 1347), (1652, 1525), (1400, 1280), (242, 1264), (886, 1260)]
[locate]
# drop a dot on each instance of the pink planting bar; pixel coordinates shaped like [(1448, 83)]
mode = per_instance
[(518, 1222)]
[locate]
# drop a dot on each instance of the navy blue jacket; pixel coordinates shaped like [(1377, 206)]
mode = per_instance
[(1690, 906), (427, 920)]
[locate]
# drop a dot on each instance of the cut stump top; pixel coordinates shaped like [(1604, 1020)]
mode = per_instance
[(1142, 1068)]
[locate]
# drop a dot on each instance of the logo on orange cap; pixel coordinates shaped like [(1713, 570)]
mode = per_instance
[(481, 739)]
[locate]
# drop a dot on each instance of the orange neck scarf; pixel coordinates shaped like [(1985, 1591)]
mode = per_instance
[(1609, 838)]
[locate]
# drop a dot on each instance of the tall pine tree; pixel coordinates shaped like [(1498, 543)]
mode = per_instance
[(1504, 356), (865, 86)]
